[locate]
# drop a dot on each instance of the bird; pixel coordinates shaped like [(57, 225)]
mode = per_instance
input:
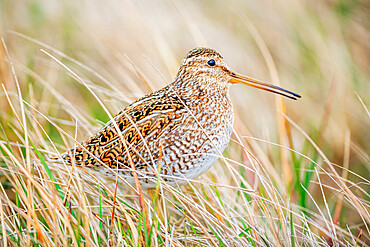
[(177, 132)]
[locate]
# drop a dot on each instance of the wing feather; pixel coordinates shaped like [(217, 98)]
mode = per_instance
[(143, 122)]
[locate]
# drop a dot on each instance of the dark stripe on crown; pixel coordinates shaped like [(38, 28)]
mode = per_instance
[(201, 51)]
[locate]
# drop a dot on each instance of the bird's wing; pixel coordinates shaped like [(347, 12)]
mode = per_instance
[(140, 123)]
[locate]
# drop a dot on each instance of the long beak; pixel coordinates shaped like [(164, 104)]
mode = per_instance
[(235, 78)]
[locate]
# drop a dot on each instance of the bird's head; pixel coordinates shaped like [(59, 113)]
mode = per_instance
[(208, 66)]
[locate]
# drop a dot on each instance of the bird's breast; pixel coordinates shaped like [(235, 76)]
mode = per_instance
[(215, 109)]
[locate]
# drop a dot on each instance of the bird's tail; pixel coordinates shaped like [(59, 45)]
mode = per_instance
[(57, 158), (77, 156)]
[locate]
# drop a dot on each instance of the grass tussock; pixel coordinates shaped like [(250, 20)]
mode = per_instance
[(294, 174)]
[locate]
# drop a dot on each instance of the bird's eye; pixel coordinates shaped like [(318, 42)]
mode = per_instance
[(211, 63)]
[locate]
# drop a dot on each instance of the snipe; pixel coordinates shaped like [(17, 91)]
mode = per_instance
[(179, 131)]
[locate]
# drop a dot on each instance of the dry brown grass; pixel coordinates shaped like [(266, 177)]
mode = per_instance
[(295, 173)]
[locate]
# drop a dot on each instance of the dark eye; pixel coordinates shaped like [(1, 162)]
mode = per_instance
[(211, 63)]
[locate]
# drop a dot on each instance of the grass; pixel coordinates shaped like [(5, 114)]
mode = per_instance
[(294, 174)]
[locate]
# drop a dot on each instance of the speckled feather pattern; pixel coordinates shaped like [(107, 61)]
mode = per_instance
[(183, 128)]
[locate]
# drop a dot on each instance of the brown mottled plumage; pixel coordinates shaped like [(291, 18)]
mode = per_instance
[(184, 127)]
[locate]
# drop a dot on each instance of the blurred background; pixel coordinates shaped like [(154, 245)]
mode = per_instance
[(126, 49), (320, 49)]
